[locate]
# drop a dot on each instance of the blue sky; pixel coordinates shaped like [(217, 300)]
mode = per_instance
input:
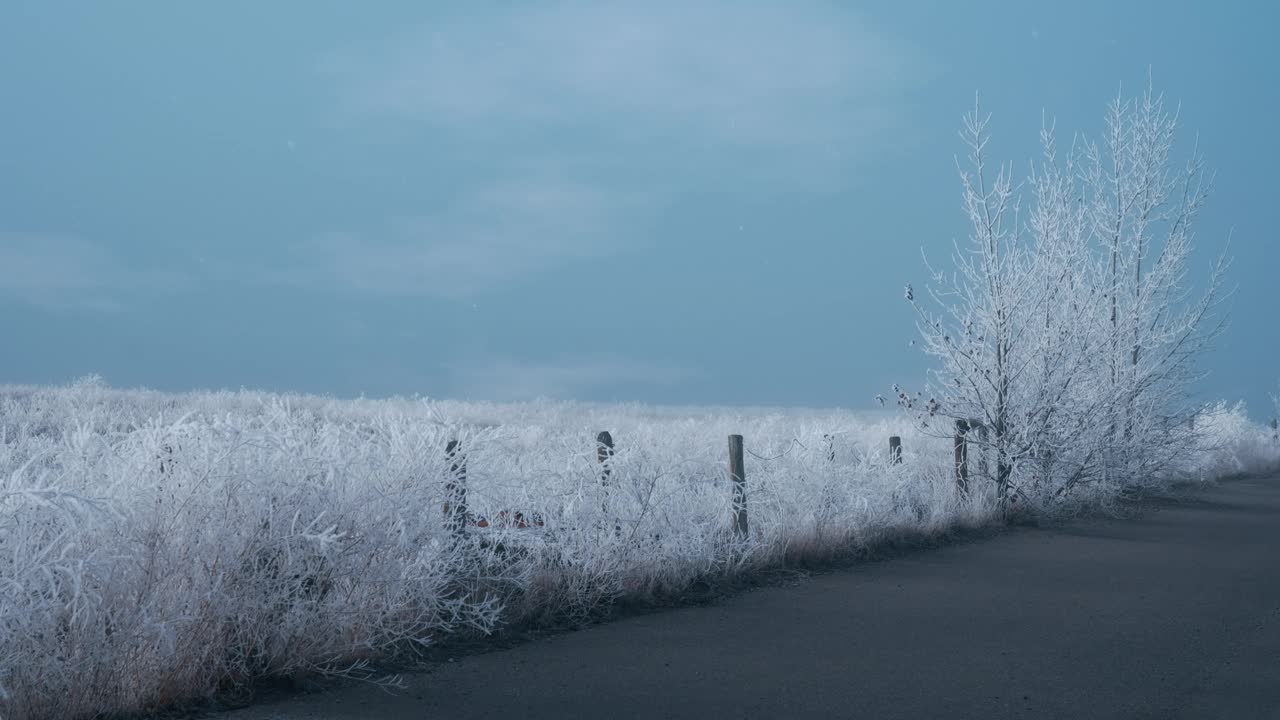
[(709, 202)]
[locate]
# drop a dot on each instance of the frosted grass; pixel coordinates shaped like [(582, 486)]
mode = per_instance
[(157, 548)]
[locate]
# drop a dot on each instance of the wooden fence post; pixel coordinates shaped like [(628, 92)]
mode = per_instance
[(604, 453), (962, 455), (895, 450), (455, 505), (831, 447), (166, 460), (738, 474), (604, 456), (984, 453)]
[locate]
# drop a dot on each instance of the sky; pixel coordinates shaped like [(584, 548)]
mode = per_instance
[(677, 203)]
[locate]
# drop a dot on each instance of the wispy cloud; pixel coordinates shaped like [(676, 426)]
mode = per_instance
[(570, 378), (487, 236), (72, 274), (590, 119), (729, 73)]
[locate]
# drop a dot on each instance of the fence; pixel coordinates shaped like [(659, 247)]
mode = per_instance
[(457, 518)]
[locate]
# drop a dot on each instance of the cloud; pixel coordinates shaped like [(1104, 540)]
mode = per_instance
[(72, 274), (724, 73), (483, 238), (572, 378), (584, 122)]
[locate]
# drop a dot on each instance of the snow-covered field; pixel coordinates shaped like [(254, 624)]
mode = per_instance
[(156, 548)]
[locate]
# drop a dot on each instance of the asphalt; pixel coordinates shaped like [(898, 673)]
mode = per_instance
[(1174, 613)]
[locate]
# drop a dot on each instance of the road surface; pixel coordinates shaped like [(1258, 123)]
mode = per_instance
[(1173, 614)]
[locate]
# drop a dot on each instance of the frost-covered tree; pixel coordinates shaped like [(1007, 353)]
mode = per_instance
[(1142, 210), (1070, 331), (1005, 323)]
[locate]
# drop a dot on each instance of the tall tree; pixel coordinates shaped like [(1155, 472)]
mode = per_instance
[(1142, 209), (1073, 335)]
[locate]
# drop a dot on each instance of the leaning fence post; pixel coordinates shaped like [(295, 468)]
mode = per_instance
[(962, 455), (895, 450), (604, 456), (455, 505), (738, 474)]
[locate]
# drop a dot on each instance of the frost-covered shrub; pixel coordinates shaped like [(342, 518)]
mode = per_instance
[(1228, 442), (149, 558)]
